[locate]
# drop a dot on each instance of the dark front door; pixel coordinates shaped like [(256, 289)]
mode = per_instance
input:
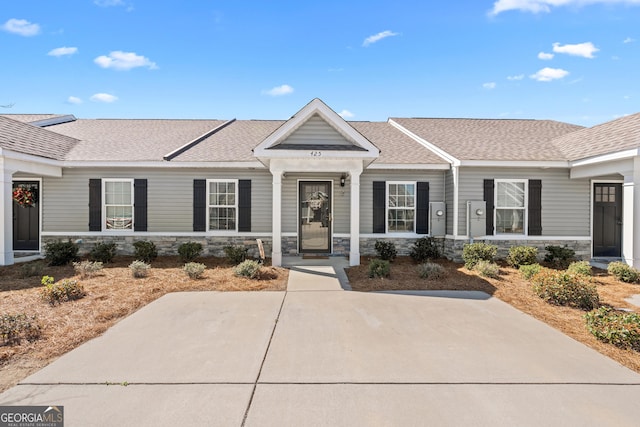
[(26, 219), (314, 231), (607, 220)]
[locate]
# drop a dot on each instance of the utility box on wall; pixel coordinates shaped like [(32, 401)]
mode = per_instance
[(476, 218), (437, 219)]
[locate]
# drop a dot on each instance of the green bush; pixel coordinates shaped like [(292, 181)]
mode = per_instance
[(474, 252), (145, 251), (16, 327), (247, 268), (64, 290), (522, 255), (60, 253), (87, 268), (31, 269), (530, 270), (424, 249), (139, 269), (615, 327), (379, 268), (189, 251), (431, 270), (194, 270), (623, 272), (562, 288), (236, 254), (487, 269), (580, 267), (103, 252), (559, 256), (386, 250)]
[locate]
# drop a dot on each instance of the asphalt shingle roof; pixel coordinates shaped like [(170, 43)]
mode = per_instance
[(28, 139), (29, 118)]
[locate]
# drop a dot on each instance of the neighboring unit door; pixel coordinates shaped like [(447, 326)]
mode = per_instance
[(314, 231), (26, 220), (607, 220)]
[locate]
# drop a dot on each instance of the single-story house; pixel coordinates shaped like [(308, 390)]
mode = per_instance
[(316, 183)]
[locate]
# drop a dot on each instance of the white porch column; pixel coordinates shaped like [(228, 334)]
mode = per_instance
[(6, 216), (276, 227), (354, 246), (631, 216)]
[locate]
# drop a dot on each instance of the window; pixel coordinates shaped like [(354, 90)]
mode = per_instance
[(510, 206), (118, 204), (401, 207), (223, 205)]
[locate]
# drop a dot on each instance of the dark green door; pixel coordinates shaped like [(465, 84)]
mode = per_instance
[(607, 220), (26, 220)]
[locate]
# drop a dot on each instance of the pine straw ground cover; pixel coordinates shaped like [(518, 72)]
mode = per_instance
[(511, 288), (111, 295)]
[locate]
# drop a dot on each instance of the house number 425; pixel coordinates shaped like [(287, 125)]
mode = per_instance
[(316, 154)]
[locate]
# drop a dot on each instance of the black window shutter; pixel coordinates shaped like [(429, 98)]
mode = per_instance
[(535, 207), (95, 205), (140, 204), (199, 205), (244, 205), (422, 208), (488, 198), (379, 206)]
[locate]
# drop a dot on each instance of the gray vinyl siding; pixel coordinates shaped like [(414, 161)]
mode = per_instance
[(448, 198), (434, 178), (565, 202), (316, 131), (169, 193)]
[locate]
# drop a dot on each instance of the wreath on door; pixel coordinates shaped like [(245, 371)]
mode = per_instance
[(25, 196)]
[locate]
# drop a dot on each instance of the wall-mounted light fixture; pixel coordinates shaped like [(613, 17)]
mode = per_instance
[(343, 179)]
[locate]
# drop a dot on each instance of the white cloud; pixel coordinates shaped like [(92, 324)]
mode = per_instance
[(108, 3), (586, 50), (74, 100), (628, 40), (547, 74), (103, 97), (489, 85), (62, 51), (119, 60), (516, 77), (538, 6), (278, 91), (377, 37), (21, 27), (545, 56), (346, 114)]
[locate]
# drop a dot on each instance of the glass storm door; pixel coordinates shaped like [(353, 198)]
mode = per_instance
[(314, 232), (607, 220)]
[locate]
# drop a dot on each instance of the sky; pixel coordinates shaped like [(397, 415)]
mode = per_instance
[(576, 61)]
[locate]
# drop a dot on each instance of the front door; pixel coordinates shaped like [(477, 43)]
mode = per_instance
[(314, 232), (26, 217), (607, 220)]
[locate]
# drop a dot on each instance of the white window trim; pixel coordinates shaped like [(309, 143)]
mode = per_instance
[(386, 205), (104, 205), (209, 206), (525, 219)]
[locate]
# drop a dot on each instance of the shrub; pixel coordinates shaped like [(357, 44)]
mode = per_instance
[(64, 290), (31, 269), (424, 249), (103, 252), (194, 269), (522, 255), (16, 327), (530, 270), (623, 272), (247, 268), (139, 269), (431, 270), (236, 254), (580, 267), (559, 256), (87, 268), (474, 252), (615, 327), (60, 253), (189, 251), (386, 250), (487, 269), (379, 268), (562, 288), (145, 251)]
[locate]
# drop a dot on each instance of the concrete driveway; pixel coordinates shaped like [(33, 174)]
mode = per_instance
[(317, 355)]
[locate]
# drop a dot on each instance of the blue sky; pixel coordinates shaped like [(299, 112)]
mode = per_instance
[(569, 60)]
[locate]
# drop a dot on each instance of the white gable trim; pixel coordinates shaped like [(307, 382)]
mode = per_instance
[(446, 156)]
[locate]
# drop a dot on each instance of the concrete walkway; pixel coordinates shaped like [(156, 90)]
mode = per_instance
[(316, 355)]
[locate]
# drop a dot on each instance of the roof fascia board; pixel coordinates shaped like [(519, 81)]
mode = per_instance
[(606, 158), (53, 121), (438, 151), (516, 163), (159, 164), (410, 166), (10, 154), (30, 164), (175, 153), (614, 167)]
